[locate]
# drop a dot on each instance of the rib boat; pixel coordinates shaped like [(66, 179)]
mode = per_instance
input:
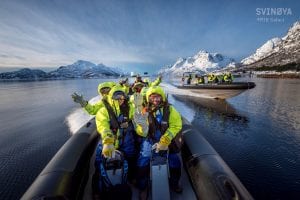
[(68, 174), (218, 90)]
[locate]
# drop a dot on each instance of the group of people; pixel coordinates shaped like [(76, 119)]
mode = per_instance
[(221, 78), (211, 78), (134, 119)]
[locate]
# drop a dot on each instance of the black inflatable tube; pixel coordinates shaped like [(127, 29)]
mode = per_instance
[(66, 174), (223, 86), (210, 176)]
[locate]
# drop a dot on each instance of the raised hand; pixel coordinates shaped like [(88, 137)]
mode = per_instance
[(79, 99)]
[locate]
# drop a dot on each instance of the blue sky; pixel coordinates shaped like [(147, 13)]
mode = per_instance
[(138, 35)]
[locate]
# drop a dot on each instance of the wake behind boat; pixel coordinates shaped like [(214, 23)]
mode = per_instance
[(218, 90)]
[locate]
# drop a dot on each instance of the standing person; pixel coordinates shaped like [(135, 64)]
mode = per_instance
[(138, 78), (164, 124), (200, 79), (125, 84), (103, 90), (138, 98), (211, 78), (228, 78), (189, 80)]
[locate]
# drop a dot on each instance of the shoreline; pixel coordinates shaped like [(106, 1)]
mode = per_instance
[(281, 75)]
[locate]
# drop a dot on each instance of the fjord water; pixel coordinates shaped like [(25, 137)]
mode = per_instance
[(33, 128), (257, 133)]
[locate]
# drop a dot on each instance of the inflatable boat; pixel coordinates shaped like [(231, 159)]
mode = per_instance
[(68, 174), (218, 90)]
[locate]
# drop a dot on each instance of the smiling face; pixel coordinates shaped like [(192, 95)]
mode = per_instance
[(155, 99)]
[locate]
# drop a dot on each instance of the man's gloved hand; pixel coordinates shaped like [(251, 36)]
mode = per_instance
[(163, 144), (138, 102), (108, 150), (141, 119), (79, 99)]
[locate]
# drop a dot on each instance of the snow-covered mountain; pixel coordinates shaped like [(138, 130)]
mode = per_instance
[(202, 62), (277, 51), (265, 50), (79, 69), (83, 69), (24, 74)]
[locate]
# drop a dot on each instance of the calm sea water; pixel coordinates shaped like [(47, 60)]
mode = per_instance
[(257, 133), (33, 128)]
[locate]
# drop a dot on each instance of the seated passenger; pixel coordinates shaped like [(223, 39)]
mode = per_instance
[(164, 124), (114, 124), (228, 78)]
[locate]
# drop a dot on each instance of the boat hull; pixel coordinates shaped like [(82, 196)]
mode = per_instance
[(219, 91), (68, 174)]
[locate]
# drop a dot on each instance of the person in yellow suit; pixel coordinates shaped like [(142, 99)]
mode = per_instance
[(138, 98), (164, 124), (228, 78), (114, 124), (125, 84), (211, 78), (92, 109)]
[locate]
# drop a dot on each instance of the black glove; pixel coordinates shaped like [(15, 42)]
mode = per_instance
[(79, 99)]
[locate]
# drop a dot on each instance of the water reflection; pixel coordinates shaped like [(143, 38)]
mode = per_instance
[(222, 108), (257, 134)]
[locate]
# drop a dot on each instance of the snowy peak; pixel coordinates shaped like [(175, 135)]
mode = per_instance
[(202, 62), (83, 69), (278, 51), (79, 69), (266, 49), (294, 30)]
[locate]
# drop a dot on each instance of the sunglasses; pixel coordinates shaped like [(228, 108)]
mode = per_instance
[(119, 95)]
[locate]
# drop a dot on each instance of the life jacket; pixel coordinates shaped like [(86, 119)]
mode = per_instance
[(162, 123), (117, 122)]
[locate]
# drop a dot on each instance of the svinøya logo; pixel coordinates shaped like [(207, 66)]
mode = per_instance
[(272, 14)]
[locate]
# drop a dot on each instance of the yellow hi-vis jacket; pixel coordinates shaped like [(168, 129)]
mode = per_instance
[(92, 109), (103, 120), (175, 123)]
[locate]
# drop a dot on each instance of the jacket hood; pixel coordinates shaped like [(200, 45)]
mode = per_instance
[(114, 89), (156, 90), (105, 84)]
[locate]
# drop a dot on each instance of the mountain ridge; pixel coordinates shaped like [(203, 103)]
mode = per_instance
[(285, 51), (202, 62), (79, 69)]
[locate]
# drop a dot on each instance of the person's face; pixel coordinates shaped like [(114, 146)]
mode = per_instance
[(121, 100), (104, 91), (155, 99), (120, 97)]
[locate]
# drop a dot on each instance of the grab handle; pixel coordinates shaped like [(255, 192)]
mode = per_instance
[(230, 189)]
